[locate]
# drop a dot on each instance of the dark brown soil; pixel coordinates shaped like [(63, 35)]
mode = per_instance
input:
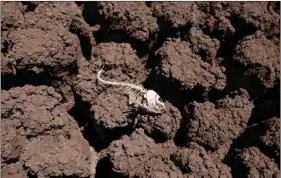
[(215, 65), (251, 162)]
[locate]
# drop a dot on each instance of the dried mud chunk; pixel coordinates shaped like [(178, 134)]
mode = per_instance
[(39, 51), (202, 44), (134, 18), (52, 15), (85, 84), (194, 161), (120, 55), (34, 121), (258, 16), (216, 17), (110, 110), (260, 57), (161, 127), (56, 157), (11, 15), (213, 125), (139, 156), (177, 14), (28, 112), (34, 111), (14, 170), (180, 63), (250, 162)]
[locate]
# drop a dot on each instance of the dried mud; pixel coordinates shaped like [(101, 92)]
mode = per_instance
[(215, 65)]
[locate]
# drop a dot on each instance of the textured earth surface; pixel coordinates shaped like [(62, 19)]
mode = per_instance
[(215, 65)]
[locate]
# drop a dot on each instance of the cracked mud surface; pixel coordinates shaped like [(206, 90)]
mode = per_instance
[(214, 64)]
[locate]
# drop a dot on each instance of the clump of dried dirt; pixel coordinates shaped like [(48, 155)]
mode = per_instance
[(178, 62), (258, 15), (61, 50), (202, 44), (260, 58), (39, 135), (214, 124), (12, 15), (250, 162), (54, 49), (138, 155), (14, 170), (195, 161), (161, 127), (177, 14), (133, 18)]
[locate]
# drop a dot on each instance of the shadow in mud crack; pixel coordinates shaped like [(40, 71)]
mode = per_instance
[(104, 169), (105, 35), (79, 28), (236, 79), (24, 77), (227, 47), (267, 105)]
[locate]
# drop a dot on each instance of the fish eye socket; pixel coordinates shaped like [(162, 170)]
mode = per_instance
[(160, 99)]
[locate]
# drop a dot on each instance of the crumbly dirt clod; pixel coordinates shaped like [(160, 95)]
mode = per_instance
[(39, 135), (133, 18), (120, 56), (194, 161), (107, 117), (177, 61), (138, 155), (258, 15), (52, 15), (250, 162), (141, 156), (217, 18), (54, 50), (177, 14), (69, 156), (161, 127), (49, 52), (260, 58), (214, 124), (12, 15), (14, 170), (202, 44)]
